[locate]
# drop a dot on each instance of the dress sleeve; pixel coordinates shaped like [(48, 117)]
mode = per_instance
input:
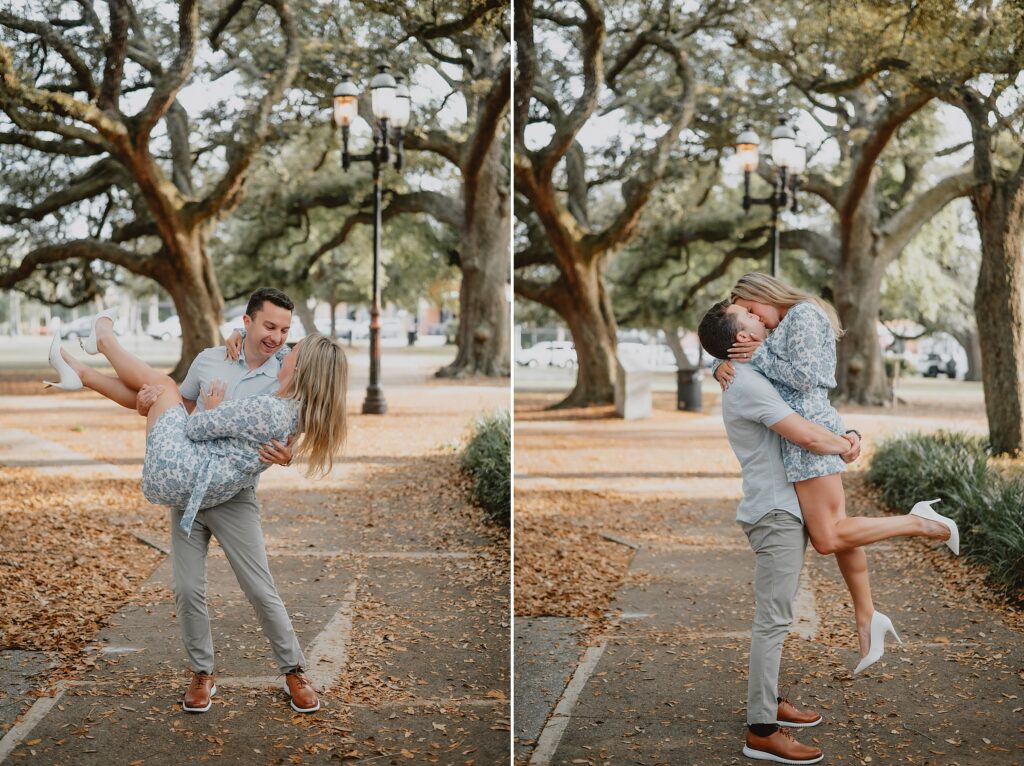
[(791, 354), (240, 418)]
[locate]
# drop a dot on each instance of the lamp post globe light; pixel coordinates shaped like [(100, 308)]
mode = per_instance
[(789, 160), (390, 104)]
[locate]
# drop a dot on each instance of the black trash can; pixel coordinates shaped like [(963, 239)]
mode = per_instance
[(688, 390)]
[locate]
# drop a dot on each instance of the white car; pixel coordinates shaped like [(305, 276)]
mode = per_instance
[(168, 329), (933, 365), (81, 327), (551, 353)]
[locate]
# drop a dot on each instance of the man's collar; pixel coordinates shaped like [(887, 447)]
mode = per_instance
[(269, 367)]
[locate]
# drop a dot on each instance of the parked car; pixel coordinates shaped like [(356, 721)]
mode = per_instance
[(168, 329), (80, 328), (551, 353), (933, 365)]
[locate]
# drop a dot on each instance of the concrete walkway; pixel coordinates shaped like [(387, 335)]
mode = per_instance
[(398, 594), (664, 682)]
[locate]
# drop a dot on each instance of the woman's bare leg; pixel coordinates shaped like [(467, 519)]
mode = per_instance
[(132, 371), (835, 532), (823, 505), (105, 385), (853, 565), (170, 397)]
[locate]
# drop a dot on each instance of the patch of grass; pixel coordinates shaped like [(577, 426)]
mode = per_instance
[(488, 456), (984, 498)]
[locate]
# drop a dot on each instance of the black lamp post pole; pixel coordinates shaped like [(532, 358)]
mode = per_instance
[(394, 108), (374, 403), (777, 201)]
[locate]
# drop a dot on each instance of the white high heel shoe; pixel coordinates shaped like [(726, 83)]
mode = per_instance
[(880, 625), (89, 345), (69, 380), (924, 510)]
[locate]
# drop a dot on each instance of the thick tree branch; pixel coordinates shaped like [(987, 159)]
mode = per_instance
[(89, 249), (436, 141), (551, 295), (62, 148), (593, 33), (166, 90), (433, 31), (526, 63), (113, 67), (439, 206), (884, 126), (91, 183), (14, 93), (902, 227), (637, 190), (251, 129), (226, 18), (489, 122), (54, 40)]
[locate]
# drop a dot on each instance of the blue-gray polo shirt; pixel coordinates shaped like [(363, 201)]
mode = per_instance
[(750, 406), (212, 364)]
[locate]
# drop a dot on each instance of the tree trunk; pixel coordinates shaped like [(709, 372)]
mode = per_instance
[(334, 319), (193, 287), (673, 342), (587, 310), (969, 340), (999, 309), (484, 323), (305, 314), (860, 371)]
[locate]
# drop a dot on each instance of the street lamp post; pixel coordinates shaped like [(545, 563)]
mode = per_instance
[(390, 103), (789, 159)]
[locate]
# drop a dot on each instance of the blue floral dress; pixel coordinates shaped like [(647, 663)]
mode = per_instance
[(199, 461), (799, 358)]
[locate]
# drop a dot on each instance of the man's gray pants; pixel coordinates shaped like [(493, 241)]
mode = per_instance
[(236, 525), (778, 540)]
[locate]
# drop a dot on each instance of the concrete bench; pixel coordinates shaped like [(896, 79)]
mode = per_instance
[(633, 393)]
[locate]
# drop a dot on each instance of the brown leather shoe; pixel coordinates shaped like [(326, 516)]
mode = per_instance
[(780, 747), (304, 699), (199, 694), (790, 715)]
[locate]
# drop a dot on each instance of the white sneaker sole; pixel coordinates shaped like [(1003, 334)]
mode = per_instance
[(760, 755), (209, 704), (295, 707), (792, 725)]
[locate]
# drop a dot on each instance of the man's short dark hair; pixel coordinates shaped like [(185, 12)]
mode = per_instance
[(264, 294), (717, 330)]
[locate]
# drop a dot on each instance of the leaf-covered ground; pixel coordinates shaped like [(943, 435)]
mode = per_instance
[(627, 528), (425, 677)]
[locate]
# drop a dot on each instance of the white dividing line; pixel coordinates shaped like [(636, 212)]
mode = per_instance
[(805, 612), (326, 656), (400, 555), (23, 728), (551, 735)]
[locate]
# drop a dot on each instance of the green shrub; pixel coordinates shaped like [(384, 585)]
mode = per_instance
[(987, 506), (488, 456)]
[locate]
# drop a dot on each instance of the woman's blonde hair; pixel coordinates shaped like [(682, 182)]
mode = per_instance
[(762, 288), (319, 383)]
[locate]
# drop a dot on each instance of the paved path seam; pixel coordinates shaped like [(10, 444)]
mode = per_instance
[(558, 722)]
